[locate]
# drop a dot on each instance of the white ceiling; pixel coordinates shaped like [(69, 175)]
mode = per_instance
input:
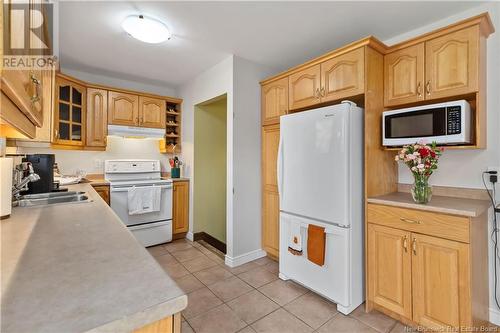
[(276, 34)]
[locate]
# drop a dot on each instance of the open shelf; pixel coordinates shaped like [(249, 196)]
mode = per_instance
[(171, 144)]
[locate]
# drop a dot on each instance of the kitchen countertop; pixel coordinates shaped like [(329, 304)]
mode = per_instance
[(438, 204), (76, 268)]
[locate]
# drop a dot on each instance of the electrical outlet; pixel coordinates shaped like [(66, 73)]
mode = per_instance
[(98, 163)]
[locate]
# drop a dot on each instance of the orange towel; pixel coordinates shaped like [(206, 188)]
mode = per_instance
[(316, 239)]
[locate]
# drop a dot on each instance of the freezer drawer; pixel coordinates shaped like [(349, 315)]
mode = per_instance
[(153, 233), (332, 280)]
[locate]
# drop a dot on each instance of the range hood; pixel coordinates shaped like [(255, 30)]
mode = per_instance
[(136, 132)]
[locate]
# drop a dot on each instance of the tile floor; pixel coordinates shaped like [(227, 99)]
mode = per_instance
[(251, 298)]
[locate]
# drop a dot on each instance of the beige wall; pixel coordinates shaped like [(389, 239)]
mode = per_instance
[(210, 126)]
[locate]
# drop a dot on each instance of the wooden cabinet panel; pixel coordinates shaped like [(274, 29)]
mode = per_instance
[(441, 295), (180, 210), (13, 117), (343, 76), (270, 197), (404, 75), (452, 64), (152, 112), (97, 117), (24, 89), (274, 101), (389, 266), (270, 223), (442, 225), (103, 191), (123, 109), (69, 113), (270, 143), (304, 88)]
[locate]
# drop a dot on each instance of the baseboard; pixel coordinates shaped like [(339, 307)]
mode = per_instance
[(495, 316), (181, 235), (190, 236), (244, 258), (221, 246)]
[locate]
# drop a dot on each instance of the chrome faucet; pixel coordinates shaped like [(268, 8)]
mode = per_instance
[(20, 181)]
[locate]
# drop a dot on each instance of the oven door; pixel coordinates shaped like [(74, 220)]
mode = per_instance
[(119, 203)]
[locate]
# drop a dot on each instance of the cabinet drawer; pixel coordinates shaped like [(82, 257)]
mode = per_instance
[(434, 224)]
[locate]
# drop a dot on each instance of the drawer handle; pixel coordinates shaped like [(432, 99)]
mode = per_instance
[(410, 221)]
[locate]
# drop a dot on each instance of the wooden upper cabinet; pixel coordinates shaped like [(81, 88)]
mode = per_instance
[(441, 285), (69, 113), (97, 117), (180, 209), (404, 75), (24, 88), (123, 109), (389, 266), (343, 76), (274, 101), (152, 112), (452, 64), (304, 87)]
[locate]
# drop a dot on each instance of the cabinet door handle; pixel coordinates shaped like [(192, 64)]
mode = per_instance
[(141, 120), (414, 246), (137, 120), (410, 220), (316, 94), (35, 97), (419, 89), (57, 134), (322, 91), (405, 244), (428, 87)]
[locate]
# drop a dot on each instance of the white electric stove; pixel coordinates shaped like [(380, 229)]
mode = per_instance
[(149, 228)]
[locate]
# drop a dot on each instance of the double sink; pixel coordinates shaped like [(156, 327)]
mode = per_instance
[(40, 199)]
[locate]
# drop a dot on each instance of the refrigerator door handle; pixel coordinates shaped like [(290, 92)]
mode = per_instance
[(279, 166)]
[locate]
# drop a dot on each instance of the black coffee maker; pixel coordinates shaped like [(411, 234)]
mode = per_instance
[(43, 165)]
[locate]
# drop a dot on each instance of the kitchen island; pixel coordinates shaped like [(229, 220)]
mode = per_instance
[(74, 267)]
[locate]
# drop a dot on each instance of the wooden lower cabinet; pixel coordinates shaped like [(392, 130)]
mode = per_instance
[(171, 324), (389, 264), (422, 278), (103, 191), (270, 195), (440, 282), (180, 210)]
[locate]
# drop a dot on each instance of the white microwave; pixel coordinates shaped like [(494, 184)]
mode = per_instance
[(445, 123)]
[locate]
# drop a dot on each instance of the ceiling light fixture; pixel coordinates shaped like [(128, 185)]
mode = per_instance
[(146, 29)]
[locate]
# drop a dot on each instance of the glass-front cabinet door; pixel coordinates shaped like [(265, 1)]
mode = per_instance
[(69, 115)]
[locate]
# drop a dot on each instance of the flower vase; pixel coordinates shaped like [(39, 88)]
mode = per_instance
[(421, 190)]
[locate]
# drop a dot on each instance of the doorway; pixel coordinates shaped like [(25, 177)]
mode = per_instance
[(210, 172)]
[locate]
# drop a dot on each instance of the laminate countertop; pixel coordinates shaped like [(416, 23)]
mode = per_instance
[(75, 267), (438, 204)]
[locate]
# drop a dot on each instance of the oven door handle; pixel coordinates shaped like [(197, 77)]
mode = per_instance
[(125, 189)]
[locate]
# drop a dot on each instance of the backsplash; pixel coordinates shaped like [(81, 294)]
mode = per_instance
[(69, 161)]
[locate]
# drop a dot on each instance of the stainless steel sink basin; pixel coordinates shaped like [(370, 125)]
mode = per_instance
[(30, 200)]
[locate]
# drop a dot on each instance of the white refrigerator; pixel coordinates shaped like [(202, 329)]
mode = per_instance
[(320, 182)]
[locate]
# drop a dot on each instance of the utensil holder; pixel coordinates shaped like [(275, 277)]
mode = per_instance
[(175, 172)]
